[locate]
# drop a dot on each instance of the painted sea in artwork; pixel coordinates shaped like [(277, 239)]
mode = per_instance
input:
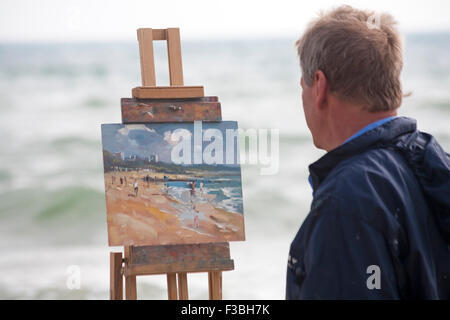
[(165, 186)]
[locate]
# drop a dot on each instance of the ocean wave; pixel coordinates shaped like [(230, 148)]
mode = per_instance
[(179, 193), (75, 203), (230, 192), (233, 205)]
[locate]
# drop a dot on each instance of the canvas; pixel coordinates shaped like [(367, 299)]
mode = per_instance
[(172, 183)]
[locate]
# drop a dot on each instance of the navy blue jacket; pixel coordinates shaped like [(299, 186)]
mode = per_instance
[(383, 200)]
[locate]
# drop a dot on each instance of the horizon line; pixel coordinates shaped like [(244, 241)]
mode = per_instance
[(190, 39)]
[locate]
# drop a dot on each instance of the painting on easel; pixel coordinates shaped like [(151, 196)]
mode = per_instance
[(172, 183)]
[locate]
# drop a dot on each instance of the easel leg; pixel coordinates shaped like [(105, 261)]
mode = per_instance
[(130, 288), (130, 281), (116, 279), (215, 285), (172, 286), (182, 286)]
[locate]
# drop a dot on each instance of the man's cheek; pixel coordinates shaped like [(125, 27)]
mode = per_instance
[(304, 100)]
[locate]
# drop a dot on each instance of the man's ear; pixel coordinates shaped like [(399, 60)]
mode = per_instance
[(321, 89)]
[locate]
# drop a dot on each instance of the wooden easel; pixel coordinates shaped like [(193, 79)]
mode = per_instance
[(175, 103)]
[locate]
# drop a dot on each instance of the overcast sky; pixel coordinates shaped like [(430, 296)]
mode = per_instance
[(90, 20)]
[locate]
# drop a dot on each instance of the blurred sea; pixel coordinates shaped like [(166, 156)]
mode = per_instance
[(53, 98)]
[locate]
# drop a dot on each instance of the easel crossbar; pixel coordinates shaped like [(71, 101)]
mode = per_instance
[(190, 267)]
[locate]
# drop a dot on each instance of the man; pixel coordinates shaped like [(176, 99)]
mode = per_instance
[(379, 225)]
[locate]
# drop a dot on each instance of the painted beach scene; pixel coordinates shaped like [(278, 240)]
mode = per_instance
[(172, 183)]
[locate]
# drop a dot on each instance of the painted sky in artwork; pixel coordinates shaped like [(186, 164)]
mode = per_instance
[(145, 140)]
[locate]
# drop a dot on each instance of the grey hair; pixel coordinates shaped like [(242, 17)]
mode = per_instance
[(361, 60)]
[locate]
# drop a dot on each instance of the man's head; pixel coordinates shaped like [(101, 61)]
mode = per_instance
[(351, 62)]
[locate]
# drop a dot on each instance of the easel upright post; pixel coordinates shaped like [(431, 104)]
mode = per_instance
[(174, 54), (145, 39), (130, 280)]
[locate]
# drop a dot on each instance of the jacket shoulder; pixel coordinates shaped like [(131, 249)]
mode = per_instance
[(368, 184)]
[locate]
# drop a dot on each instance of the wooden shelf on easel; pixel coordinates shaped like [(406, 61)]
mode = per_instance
[(173, 110), (171, 92), (146, 260)]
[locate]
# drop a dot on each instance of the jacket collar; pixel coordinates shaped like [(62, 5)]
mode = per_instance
[(377, 137)]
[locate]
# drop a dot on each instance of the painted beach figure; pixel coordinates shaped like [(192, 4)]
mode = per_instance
[(136, 187), (196, 223)]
